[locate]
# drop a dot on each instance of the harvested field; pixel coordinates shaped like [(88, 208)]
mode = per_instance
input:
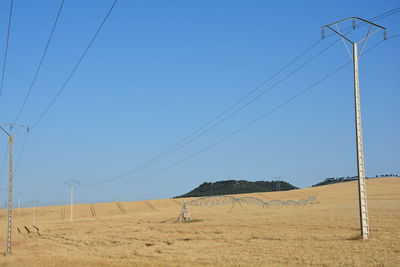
[(145, 233)]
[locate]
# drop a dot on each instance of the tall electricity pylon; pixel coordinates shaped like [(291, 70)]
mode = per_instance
[(362, 192), (34, 204), (11, 133), (278, 183), (19, 202), (72, 184)]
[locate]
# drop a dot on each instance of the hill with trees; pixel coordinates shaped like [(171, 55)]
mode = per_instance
[(230, 187), (352, 178)]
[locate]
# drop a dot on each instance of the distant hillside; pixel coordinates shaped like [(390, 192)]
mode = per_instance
[(230, 187), (348, 179)]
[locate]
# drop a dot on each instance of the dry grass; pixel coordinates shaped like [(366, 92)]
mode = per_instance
[(319, 234)]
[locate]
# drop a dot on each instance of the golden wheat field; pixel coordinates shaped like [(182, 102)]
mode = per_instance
[(141, 233)]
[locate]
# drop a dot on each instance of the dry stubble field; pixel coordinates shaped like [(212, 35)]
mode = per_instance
[(324, 233)]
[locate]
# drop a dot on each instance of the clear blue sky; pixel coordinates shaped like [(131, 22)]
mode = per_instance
[(161, 69)]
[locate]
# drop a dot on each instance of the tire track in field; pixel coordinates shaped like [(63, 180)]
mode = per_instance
[(92, 210), (62, 216), (150, 206), (121, 208)]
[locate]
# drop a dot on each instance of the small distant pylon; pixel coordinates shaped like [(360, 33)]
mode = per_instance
[(184, 216)]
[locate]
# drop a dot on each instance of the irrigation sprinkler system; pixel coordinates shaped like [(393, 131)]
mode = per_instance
[(218, 201), (212, 201)]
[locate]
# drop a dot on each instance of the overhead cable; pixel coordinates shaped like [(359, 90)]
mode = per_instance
[(205, 127), (6, 50), (75, 67), (264, 115), (40, 63)]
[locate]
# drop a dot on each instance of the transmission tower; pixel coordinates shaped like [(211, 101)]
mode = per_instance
[(19, 195), (72, 184), (11, 132), (34, 203), (278, 183), (373, 28)]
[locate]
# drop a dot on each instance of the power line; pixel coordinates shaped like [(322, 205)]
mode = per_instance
[(276, 108), (205, 128), (40, 63), (376, 18), (262, 93), (75, 67), (199, 129), (240, 129), (6, 50), (189, 138), (385, 14), (38, 70)]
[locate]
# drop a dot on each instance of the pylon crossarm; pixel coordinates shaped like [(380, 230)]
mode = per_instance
[(355, 18), (338, 33), (4, 131), (354, 26), (12, 125)]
